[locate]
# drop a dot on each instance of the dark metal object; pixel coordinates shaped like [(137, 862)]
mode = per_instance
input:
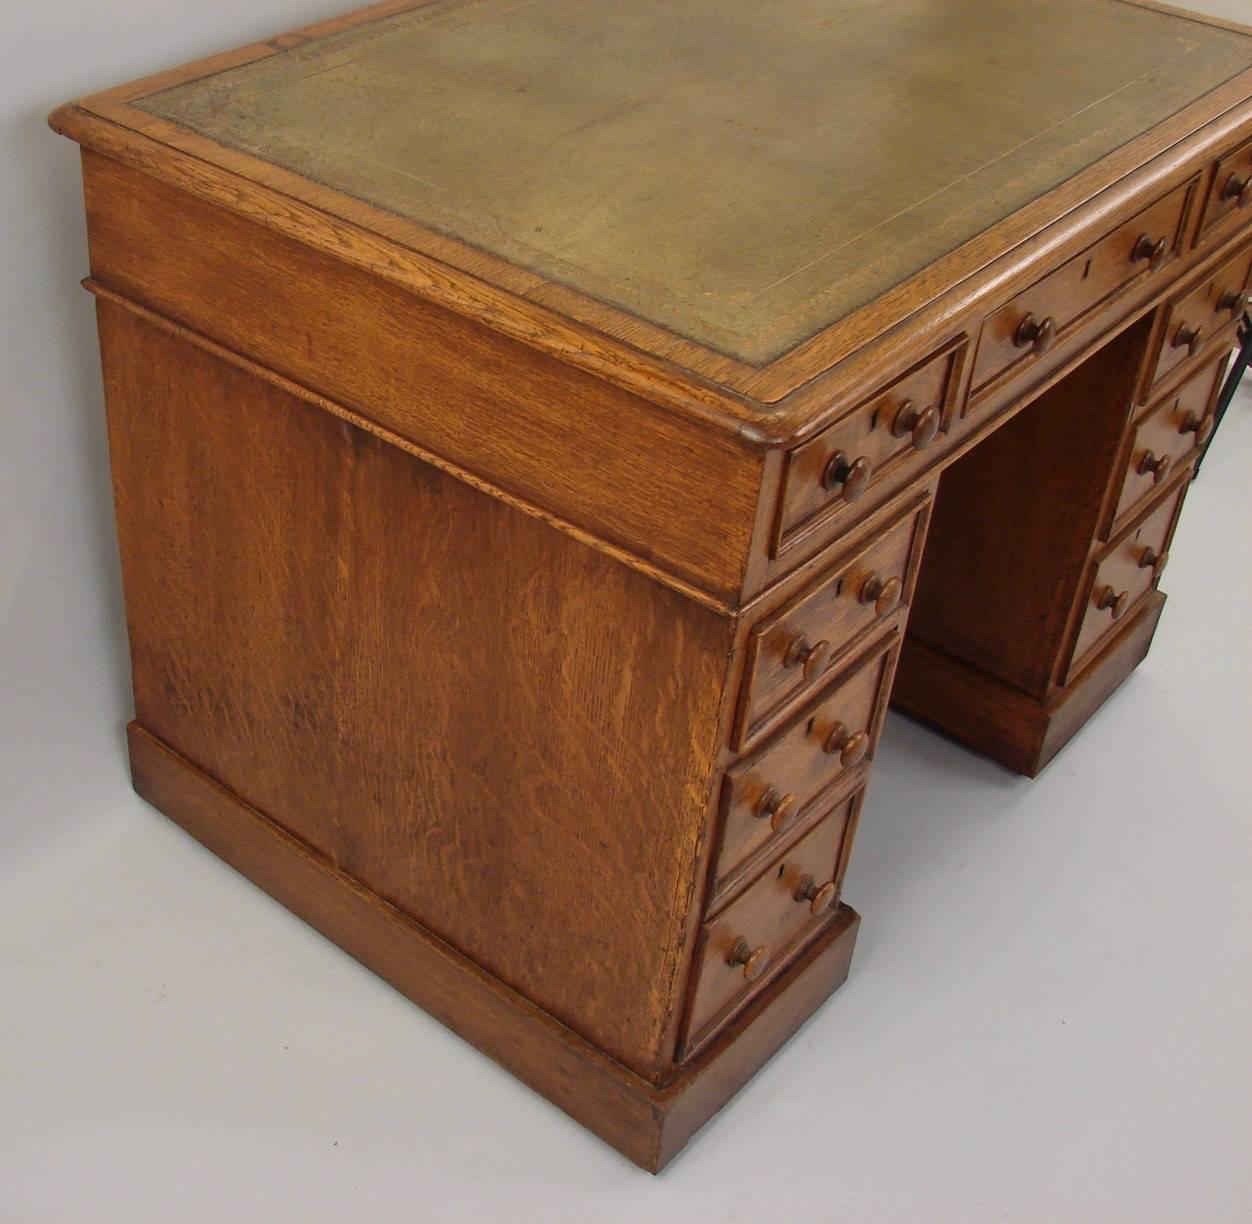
[(1243, 359)]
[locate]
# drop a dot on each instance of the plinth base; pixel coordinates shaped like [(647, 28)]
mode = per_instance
[(1002, 722), (648, 1123)]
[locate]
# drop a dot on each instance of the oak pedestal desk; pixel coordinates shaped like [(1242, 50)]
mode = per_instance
[(545, 438)]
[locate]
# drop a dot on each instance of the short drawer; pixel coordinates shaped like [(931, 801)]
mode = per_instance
[(1230, 193), (1201, 318), (1027, 326), (767, 795), (1165, 437), (756, 934), (790, 652), (824, 476), (1123, 574)]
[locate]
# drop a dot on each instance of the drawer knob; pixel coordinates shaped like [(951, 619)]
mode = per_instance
[(1035, 334), (1154, 465), (1234, 302), (779, 809), (819, 896), (851, 476), (850, 745), (1153, 560), (922, 423), (752, 959), (1238, 189), (1190, 338), (1153, 252), (883, 593), (1115, 602), (1201, 426), (811, 656)]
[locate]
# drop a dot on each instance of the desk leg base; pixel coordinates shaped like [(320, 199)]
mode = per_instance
[(647, 1122), (1021, 732)]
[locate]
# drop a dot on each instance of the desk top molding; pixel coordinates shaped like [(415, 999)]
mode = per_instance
[(734, 380)]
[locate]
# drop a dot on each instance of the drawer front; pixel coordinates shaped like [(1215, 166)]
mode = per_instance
[(790, 652), (751, 940), (1126, 571), (1166, 437), (871, 445), (775, 791), (1230, 193), (1204, 317), (1026, 327)]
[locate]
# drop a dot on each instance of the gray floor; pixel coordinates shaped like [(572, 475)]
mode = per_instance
[(1047, 1020)]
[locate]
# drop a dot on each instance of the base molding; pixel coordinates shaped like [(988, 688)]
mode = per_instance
[(646, 1122), (1022, 732)]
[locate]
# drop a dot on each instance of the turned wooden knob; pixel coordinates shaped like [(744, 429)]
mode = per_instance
[(811, 656), (1115, 602), (1238, 189), (779, 809), (1153, 252), (1154, 465), (883, 593), (752, 959), (1035, 334), (819, 896), (1153, 560), (1233, 301), (922, 423), (850, 745), (1199, 425), (1190, 338), (850, 475)]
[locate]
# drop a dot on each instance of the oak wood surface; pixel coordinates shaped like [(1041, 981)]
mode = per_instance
[(826, 739), (467, 712), (756, 935), (1126, 570), (1022, 732), (1200, 318), (1014, 520), (541, 645), (1173, 430), (823, 621), (646, 1123), (534, 427)]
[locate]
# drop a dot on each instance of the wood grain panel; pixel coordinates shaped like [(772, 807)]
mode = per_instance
[(646, 1123), (607, 460), (501, 731)]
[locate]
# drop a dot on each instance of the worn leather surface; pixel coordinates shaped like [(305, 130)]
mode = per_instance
[(743, 174)]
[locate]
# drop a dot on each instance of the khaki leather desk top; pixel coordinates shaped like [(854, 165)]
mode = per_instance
[(741, 174)]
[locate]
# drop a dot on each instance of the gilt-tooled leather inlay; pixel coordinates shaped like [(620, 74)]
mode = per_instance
[(743, 174)]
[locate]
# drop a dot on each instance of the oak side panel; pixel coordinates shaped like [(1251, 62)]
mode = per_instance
[(503, 732), (679, 493), (647, 1123), (601, 1094)]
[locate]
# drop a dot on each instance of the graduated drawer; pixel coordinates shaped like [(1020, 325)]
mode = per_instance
[(1026, 327), (1123, 574), (824, 476), (1230, 192), (767, 795), (1203, 315), (790, 651), (1165, 437), (752, 939)]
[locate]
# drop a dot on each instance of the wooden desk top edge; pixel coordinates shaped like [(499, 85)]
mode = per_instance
[(767, 405)]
